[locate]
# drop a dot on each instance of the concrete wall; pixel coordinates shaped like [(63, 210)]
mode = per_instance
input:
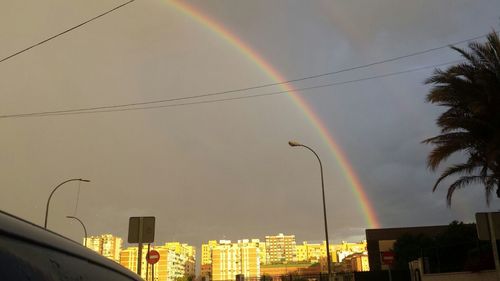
[(489, 275), (417, 274)]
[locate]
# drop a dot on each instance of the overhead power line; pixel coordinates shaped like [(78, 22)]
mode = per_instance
[(73, 112), (116, 106), (128, 105), (65, 31)]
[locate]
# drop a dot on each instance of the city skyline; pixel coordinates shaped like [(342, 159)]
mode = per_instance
[(224, 259)]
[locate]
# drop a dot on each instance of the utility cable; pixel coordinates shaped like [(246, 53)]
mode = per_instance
[(227, 91), (77, 198), (65, 31), (58, 113)]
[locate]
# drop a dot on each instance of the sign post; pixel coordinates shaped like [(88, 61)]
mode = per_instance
[(147, 266), (488, 228), (152, 257), (387, 258), (141, 230)]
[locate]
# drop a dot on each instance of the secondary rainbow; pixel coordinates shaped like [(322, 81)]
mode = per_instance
[(252, 55)]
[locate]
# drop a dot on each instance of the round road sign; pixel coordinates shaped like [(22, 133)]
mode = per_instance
[(153, 257)]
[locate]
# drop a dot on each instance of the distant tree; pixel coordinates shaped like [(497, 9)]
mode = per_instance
[(454, 246), (409, 247), (471, 124), (455, 249)]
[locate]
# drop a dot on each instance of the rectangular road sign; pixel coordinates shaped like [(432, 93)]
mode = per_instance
[(483, 231), (146, 224)]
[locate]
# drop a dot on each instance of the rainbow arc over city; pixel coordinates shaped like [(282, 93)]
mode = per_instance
[(246, 50)]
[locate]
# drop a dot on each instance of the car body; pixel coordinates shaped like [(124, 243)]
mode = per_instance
[(30, 252)]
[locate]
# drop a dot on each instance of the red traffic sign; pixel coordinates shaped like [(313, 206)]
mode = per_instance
[(153, 257), (387, 257)]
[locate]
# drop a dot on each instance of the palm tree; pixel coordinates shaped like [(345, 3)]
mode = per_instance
[(470, 92)]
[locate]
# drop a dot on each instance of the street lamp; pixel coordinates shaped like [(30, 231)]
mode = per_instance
[(52, 193), (329, 260), (84, 229)]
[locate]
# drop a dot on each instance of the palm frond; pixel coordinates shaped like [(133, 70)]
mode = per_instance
[(460, 183), (470, 92), (465, 168)]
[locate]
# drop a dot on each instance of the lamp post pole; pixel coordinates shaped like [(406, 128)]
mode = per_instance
[(84, 229), (329, 260), (52, 193)]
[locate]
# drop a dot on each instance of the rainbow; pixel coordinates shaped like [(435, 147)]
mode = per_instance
[(346, 168)]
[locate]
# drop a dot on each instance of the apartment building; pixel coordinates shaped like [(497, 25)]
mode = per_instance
[(107, 245), (280, 249), (231, 259), (177, 260)]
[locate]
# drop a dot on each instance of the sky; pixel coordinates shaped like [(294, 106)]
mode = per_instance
[(223, 170)]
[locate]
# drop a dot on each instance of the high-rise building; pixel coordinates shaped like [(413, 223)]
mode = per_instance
[(206, 252), (184, 259), (281, 248), (262, 250), (225, 258), (231, 259), (172, 265), (249, 258), (128, 259), (206, 259), (107, 245)]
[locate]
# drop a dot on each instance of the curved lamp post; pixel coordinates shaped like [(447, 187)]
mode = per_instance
[(52, 193), (329, 260), (84, 229)]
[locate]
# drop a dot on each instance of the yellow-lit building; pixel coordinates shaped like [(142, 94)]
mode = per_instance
[(176, 261), (249, 258), (262, 250), (340, 251), (301, 252), (356, 262), (185, 256), (206, 252), (128, 259), (107, 245), (311, 252), (280, 249), (332, 251), (225, 260), (346, 249), (231, 259), (206, 259)]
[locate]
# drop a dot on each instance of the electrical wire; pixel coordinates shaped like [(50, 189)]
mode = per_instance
[(126, 105), (64, 32), (242, 89), (77, 198), (232, 98)]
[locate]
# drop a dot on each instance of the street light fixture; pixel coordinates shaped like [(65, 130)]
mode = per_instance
[(84, 229), (329, 260), (52, 193)]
